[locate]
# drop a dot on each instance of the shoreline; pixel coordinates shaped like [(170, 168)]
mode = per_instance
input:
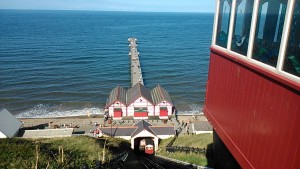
[(99, 115), (44, 111)]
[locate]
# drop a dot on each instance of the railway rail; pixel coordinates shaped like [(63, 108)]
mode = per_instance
[(142, 161), (154, 162)]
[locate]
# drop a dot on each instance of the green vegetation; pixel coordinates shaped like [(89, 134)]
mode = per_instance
[(196, 141), (70, 152)]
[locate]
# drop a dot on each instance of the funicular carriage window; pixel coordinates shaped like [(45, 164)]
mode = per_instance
[(269, 28), (243, 17), (292, 55), (223, 22)]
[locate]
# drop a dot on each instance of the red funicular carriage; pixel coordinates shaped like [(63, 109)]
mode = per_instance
[(253, 89), (149, 149)]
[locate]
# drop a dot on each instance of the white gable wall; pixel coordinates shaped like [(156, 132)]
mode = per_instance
[(2, 135), (117, 104), (130, 110), (145, 133), (140, 102), (163, 104)]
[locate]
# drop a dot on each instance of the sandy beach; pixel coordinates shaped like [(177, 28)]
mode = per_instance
[(70, 121)]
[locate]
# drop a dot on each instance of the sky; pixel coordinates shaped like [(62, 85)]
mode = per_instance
[(113, 5)]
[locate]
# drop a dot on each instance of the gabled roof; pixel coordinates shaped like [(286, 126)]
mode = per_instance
[(138, 90), (162, 130), (117, 94), (142, 125), (118, 131), (138, 128), (159, 94), (9, 124)]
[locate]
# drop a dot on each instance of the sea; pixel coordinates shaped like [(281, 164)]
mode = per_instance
[(65, 63)]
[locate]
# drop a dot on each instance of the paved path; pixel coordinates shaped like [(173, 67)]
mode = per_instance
[(86, 124)]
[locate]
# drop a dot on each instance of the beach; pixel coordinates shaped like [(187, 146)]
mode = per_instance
[(86, 124), (86, 120), (61, 121)]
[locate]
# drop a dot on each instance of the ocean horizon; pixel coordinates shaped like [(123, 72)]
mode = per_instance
[(65, 63)]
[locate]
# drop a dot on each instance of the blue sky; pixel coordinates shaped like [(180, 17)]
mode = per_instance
[(113, 5)]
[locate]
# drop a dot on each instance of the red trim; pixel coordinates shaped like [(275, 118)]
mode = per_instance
[(163, 113), (117, 113), (107, 106), (256, 68), (140, 114)]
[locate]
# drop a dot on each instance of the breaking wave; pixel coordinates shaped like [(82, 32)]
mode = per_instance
[(48, 111)]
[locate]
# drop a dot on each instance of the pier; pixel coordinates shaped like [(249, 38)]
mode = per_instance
[(138, 102), (136, 70)]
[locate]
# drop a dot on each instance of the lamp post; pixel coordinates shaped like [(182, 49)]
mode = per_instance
[(110, 127)]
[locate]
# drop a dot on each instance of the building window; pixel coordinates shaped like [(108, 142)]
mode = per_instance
[(269, 28), (140, 109), (292, 55), (241, 30), (223, 22)]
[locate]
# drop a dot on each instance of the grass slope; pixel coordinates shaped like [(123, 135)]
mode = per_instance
[(70, 152), (197, 141)]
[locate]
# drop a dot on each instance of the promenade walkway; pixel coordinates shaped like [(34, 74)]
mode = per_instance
[(136, 70)]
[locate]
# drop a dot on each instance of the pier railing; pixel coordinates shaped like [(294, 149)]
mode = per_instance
[(136, 70)]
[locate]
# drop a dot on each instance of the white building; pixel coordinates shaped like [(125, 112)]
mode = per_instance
[(116, 103), (139, 102), (139, 131), (9, 124), (162, 101)]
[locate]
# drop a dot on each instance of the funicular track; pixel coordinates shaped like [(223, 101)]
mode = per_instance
[(154, 162), (136, 159)]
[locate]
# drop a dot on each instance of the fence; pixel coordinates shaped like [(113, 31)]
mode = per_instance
[(184, 149)]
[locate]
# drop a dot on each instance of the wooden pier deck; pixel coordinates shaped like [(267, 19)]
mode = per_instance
[(136, 70)]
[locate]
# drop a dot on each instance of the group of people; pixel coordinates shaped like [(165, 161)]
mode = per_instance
[(97, 133)]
